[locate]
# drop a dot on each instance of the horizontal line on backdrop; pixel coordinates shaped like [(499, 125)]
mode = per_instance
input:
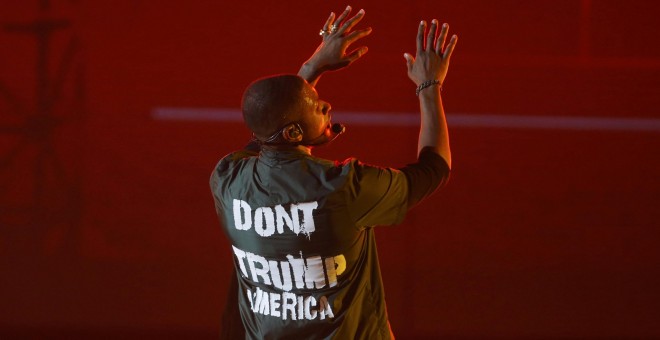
[(472, 120), (570, 61)]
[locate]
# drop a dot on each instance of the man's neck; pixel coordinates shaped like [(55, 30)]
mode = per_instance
[(284, 147)]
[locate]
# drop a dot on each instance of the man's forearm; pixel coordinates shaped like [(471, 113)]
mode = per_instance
[(433, 130), (310, 73)]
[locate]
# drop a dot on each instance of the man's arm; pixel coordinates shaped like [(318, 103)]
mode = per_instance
[(331, 54), (430, 66), (428, 71)]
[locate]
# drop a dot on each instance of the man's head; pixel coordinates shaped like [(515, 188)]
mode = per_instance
[(285, 109)]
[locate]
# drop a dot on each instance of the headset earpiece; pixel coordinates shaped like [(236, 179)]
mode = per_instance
[(292, 133)]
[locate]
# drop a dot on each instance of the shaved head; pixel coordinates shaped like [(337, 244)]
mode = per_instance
[(271, 103)]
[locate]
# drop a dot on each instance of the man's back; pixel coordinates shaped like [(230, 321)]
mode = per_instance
[(306, 260)]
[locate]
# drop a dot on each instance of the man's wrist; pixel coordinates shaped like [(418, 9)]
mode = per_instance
[(430, 93), (429, 83), (309, 72)]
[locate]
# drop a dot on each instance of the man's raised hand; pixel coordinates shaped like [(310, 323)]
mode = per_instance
[(432, 59), (332, 52)]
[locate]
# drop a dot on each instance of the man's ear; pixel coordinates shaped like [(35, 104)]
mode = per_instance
[(292, 133)]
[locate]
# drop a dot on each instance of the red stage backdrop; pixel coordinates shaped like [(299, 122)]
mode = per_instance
[(113, 114)]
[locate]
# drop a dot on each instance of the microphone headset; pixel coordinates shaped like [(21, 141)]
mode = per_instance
[(331, 133), (328, 135)]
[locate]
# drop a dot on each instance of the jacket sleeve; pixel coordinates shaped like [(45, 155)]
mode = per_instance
[(377, 195), (429, 173)]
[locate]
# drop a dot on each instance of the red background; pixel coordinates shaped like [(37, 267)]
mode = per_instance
[(108, 227)]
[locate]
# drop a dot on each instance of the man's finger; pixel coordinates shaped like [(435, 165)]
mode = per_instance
[(420, 36), (343, 16), (410, 60), (440, 43), (346, 27), (328, 22), (450, 47), (431, 36), (355, 35), (356, 54)]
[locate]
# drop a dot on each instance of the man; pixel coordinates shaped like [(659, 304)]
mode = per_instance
[(301, 227)]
